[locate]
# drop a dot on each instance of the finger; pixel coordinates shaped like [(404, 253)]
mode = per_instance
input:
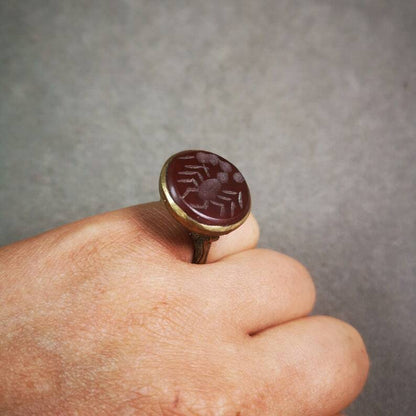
[(165, 234), (315, 365), (255, 289), (243, 238)]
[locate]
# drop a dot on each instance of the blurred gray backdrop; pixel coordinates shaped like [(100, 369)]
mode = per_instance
[(314, 100)]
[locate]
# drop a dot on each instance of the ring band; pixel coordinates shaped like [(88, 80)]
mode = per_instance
[(207, 194)]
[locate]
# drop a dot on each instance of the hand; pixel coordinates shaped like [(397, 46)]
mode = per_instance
[(107, 316)]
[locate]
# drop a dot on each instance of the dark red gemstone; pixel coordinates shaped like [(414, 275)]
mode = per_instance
[(208, 188)]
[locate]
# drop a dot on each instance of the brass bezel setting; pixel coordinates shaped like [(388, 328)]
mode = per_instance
[(181, 216)]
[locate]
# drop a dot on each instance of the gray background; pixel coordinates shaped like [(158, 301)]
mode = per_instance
[(315, 101)]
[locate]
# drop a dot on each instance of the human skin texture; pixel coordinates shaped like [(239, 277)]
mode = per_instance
[(106, 316)]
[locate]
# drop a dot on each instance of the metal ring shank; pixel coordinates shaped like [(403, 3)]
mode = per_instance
[(202, 244)]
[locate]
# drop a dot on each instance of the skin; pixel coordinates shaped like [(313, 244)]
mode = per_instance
[(106, 316)]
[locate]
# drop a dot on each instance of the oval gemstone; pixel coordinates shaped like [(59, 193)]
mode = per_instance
[(208, 188)]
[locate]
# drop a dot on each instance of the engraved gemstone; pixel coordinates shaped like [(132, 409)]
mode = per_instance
[(208, 188)]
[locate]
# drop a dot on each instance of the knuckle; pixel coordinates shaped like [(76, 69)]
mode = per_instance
[(298, 269), (287, 264), (302, 272), (92, 251), (351, 353), (303, 280), (148, 231), (295, 273), (358, 351), (78, 244), (100, 242)]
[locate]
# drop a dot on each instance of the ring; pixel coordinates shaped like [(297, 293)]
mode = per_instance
[(207, 194)]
